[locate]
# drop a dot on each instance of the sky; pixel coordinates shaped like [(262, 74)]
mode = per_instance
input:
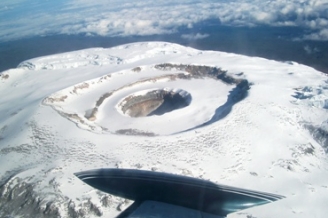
[(25, 18)]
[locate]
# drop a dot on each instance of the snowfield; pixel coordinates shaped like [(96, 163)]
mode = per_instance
[(61, 114)]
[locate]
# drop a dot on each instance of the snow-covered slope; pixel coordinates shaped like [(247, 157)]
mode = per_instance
[(272, 139)]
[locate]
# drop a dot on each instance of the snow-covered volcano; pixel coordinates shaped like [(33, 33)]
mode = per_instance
[(235, 120)]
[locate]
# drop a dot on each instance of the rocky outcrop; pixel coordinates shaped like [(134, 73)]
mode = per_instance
[(197, 71), (19, 198), (319, 134), (4, 76)]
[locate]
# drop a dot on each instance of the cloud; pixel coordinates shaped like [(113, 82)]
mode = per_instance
[(194, 36), (309, 50), (145, 17), (319, 35)]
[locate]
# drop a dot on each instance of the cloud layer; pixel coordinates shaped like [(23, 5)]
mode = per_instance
[(20, 18)]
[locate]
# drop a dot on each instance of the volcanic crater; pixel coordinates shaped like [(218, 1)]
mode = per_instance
[(154, 102), (141, 102)]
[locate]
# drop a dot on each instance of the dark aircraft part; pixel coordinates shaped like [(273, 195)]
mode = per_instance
[(197, 194)]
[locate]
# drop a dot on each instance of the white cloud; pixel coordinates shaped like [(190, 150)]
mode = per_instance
[(309, 50), (320, 35), (145, 17), (194, 36)]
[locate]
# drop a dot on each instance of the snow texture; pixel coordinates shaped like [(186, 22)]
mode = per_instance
[(268, 137)]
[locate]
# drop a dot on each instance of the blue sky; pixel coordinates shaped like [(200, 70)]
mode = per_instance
[(28, 18)]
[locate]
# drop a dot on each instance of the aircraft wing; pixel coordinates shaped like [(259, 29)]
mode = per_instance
[(158, 194)]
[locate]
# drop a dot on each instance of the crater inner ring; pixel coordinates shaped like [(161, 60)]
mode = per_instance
[(154, 102)]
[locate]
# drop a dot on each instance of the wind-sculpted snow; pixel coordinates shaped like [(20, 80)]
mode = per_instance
[(241, 121), (78, 59)]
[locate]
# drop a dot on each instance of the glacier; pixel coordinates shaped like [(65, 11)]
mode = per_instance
[(265, 140)]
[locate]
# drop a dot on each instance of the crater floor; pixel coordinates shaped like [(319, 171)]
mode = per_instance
[(154, 102)]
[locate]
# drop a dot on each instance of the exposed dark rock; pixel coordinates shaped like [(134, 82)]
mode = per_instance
[(136, 69), (171, 101), (134, 132), (27, 65), (201, 71), (105, 201), (4, 76), (102, 98), (320, 135), (156, 102), (81, 86), (60, 99), (18, 198), (301, 95)]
